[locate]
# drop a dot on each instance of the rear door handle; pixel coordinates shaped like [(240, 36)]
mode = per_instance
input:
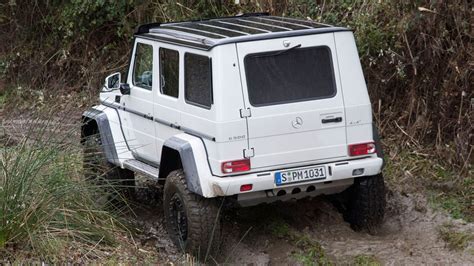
[(331, 120)]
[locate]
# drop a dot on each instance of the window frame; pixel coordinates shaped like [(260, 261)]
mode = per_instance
[(135, 64), (333, 77), (211, 83), (160, 69)]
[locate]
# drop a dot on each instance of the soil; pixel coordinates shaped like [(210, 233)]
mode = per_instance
[(409, 235)]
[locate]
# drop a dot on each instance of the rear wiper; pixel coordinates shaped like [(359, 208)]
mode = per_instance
[(287, 50), (280, 52)]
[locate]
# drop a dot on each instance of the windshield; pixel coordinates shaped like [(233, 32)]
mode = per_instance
[(293, 75)]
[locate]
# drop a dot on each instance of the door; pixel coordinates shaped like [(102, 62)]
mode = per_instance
[(137, 116), (168, 96), (295, 98)]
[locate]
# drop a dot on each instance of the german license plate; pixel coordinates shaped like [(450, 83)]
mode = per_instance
[(300, 175)]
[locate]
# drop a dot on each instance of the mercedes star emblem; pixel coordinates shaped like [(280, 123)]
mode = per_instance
[(297, 123)]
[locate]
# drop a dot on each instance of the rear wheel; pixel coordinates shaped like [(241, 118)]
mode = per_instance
[(192, 221), (365, 203), (99, 171)]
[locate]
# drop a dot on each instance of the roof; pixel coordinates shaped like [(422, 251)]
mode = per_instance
[(206, 34)]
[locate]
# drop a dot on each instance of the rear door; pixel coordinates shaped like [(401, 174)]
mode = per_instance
[(293, 90)]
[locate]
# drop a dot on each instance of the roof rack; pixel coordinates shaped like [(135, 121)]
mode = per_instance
[(207, 33)]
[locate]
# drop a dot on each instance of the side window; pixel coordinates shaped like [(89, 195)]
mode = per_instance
[(143, 66), (198, 80), (169, 72)]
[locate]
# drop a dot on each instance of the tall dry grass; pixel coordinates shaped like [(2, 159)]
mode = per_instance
[(47, 210)]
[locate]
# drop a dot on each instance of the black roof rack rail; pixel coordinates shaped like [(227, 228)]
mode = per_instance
[(145, 28)]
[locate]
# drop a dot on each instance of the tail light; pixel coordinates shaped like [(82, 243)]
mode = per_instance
[(236, 166), (361, 149)]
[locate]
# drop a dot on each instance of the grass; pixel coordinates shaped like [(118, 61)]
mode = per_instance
[(310, 251), (47, 211), (452, 204), (279, 228), (366, 260), (413, 171), (455, 240)]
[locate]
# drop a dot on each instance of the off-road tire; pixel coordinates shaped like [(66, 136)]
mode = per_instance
[(365, 202), (99, 171), (201, 228)]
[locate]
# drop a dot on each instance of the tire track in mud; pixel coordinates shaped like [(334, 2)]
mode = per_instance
[(409, 235)]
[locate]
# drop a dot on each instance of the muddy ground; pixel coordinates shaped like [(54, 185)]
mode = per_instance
[(272, 234)]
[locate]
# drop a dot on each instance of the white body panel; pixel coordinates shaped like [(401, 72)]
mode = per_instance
[(220, 134)]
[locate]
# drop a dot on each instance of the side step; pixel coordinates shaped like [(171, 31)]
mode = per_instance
[(142, 168)]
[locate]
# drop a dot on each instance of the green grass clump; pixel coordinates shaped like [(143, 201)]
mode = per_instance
[(449, 203), (308, 251), (312, 253), (46, 209), (455, 240), (366, 260), (279, 228)]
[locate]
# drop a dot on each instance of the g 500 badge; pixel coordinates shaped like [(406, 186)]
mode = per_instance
[(237, 138)]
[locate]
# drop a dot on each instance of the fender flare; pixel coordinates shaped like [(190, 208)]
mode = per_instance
[(378, 144), (188, 162), (103, 128)]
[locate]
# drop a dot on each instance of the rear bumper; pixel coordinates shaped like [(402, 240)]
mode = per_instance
[(265, 181)]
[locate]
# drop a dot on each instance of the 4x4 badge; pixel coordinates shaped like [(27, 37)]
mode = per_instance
[(297, 123)]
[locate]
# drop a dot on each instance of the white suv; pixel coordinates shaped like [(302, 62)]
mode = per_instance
[(251, 109)]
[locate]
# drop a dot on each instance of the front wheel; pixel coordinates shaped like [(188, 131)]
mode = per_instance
[(365, 202), (192, 221)]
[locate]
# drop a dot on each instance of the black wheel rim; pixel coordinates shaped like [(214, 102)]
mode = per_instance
[(178, 219)]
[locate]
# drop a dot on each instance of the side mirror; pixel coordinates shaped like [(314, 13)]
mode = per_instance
[(112, 82), (124, 88)]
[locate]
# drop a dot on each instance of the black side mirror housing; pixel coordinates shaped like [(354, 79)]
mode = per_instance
[(124, 88)]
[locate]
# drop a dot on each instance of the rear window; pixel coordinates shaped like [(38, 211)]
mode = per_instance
[(294, 75)]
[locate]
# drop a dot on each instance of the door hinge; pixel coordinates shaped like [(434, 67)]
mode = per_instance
[(245, 113), (248, 153)]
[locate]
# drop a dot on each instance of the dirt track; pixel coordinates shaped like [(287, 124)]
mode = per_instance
[(410, 234)]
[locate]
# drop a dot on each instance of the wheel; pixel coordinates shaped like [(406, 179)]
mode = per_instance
[(193, 222), (365, 201), (99, 171)]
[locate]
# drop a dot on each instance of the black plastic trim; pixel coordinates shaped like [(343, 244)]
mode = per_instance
[(145, 28), (107, 139)]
